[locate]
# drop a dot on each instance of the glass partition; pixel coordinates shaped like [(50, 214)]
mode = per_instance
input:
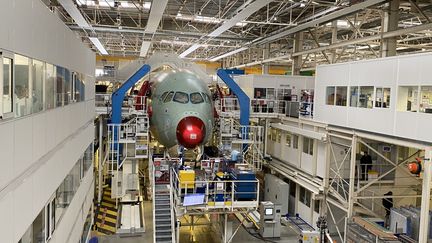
[(330, 95), (382, 98), (50, 78), (59, 86), (426, 99), (341, 95), (366, 97), (408, 98), (37, 85), (7, 99), (354, 96), (22, 86)]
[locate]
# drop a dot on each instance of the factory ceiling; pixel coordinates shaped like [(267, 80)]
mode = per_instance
[(243, 33)]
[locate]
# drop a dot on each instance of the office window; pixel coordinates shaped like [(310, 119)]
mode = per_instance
[(67, 87), (305, 196), (330, 94), (408, 98), (36, 232), (260, 93), (288, 139), (50, 219), (50, 78), (22, 86), (308, 145), (341, 95), (382, 98), (366, 97), (426, 99), (7, 99), (354, 96), (270, 94), (273, 134), (76, 79), (37, 85), (317, 206), (278, 136), (295, 141), (59, 86), (82, 87)]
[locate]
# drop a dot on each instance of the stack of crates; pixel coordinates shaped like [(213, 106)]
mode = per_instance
[(244, 190)]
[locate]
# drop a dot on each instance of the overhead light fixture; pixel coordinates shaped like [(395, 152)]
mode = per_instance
[(190, 50), (147, 5), (145, 47), (98, 45), (227, 54), (76, 15)]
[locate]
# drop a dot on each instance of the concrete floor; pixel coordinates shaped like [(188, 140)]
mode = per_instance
[(200, 234)]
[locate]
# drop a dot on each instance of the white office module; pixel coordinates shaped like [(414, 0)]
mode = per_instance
[(276, 191)]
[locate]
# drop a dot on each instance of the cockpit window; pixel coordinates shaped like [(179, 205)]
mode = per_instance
[(181, 97), (163, 95), (206, 97), (169, 97), (196, 98)]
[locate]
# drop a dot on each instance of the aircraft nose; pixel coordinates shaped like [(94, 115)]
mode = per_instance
[(190, 132)]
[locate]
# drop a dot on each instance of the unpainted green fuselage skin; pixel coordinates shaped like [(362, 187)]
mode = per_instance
[(166, 115)]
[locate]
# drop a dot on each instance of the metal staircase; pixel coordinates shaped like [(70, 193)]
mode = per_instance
[(163, 202), (163, 227)]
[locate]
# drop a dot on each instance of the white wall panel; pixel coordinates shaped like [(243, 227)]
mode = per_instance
[(23, 144), (23, 212), (307, 163), (7, 153), (8, 220), (409, 70), (39, 138)]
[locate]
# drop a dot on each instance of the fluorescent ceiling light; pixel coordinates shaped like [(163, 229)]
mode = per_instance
[(190, 50), (98, 45), (227, 54), (147, 5), (73, 11), (145, 46)]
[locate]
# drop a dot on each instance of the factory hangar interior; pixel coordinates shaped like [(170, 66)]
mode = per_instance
[(215, 121)]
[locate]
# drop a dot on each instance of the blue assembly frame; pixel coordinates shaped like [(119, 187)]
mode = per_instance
[(243, 99), (117, 101), (119, 94)]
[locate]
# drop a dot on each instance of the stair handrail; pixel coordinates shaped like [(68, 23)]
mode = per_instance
[(173, 221)]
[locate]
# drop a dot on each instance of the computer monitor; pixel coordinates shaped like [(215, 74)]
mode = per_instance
[(193, 199), (268, 211)]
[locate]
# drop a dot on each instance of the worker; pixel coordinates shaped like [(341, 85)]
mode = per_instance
[(387, 203), (365, 164)]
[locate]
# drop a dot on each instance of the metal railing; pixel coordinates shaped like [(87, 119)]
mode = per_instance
[(137, 104), (268, 106), (217, 193)]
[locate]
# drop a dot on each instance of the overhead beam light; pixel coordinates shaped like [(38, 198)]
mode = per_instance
[(228, 54), (76, 15), (156, 11), (98, 45), (145, 48), (190, 50), (241, 15)]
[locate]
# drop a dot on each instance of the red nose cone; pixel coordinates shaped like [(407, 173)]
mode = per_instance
[(190, 132)]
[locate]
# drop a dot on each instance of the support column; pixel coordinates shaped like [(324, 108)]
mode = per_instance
[(425, 199), (351, 177), (266, 55), (100, 159), (390, 23), (333, 41), (297, 60)]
